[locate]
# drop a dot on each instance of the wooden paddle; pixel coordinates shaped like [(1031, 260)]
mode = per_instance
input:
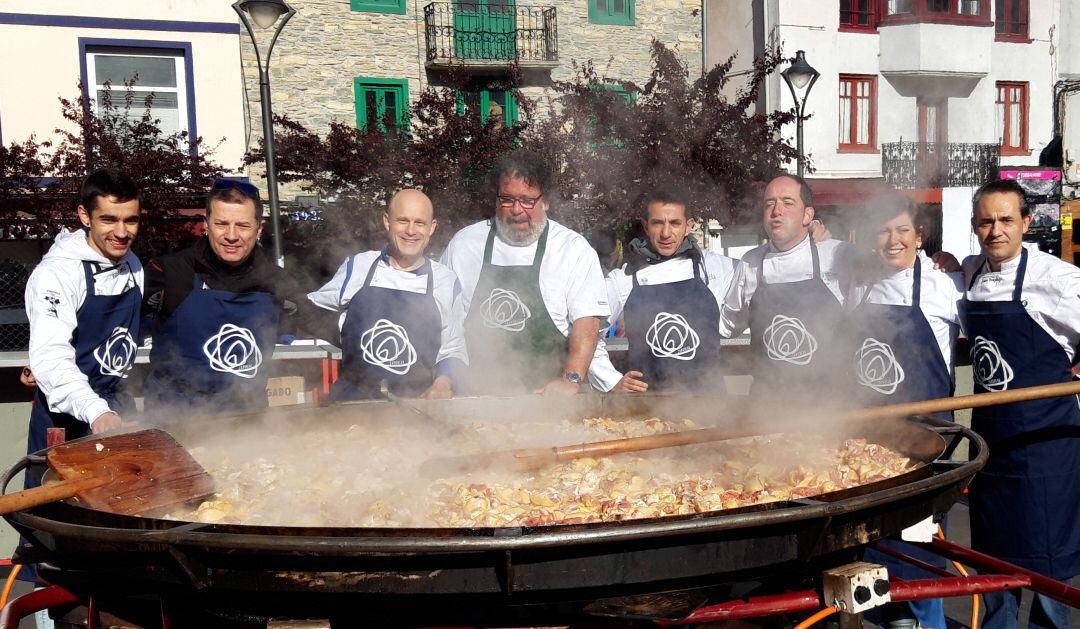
[(533, 458), (129, 474)]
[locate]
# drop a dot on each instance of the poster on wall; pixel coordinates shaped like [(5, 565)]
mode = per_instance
[(1042, 190)]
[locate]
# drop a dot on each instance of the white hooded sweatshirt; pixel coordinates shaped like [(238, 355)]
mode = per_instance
[(55, 292)]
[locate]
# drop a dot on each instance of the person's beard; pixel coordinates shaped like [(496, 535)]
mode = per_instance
[(516, 237)]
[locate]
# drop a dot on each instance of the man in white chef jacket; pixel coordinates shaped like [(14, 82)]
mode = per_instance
[(791, 292), (667, 297), (400, 314), (533, 292), (1022, 318)]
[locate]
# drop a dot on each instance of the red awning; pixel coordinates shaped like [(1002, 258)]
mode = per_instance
[(848, 191)]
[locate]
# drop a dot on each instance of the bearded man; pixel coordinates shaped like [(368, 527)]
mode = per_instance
[(533, 292)]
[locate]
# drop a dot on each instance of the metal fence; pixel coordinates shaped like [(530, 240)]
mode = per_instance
[(908, 165), (14, 327), (476, 32)]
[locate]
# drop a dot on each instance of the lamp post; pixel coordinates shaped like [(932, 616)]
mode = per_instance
[(265, 14), (800, 75)]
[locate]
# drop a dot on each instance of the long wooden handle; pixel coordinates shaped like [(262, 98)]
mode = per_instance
[(539, 456), (51, 492)]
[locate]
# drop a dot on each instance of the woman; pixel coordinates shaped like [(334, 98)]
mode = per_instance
[(906, 325)]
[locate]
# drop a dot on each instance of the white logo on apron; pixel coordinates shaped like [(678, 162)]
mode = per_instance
[(988, 365), (117, 354), (387, 345), (787, 339), (233, 350), (670, 336), (876, 367), (504, 310)]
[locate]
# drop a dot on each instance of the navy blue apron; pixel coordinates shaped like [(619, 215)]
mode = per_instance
[(389, 335), (211, 356), (795, 330), (104, 340), (897, 356), (674, 332), (514, 346), (1025, 504)]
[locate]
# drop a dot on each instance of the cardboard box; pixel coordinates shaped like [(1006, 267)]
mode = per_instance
[(285, 391)]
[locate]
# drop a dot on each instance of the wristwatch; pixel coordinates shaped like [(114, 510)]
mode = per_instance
[(573, 376)]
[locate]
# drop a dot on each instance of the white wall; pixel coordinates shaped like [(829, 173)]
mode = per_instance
[(956, 236), (29, 90)]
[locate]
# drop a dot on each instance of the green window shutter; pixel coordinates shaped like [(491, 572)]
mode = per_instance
[(485, 101), (620, 12), (379, 6), (381, 101)]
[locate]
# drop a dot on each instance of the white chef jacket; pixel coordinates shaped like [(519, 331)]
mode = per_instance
[(719, 271), (941, 298), (54, 293), (1051, 292), (336, 295), (780, 267), (571, 281)]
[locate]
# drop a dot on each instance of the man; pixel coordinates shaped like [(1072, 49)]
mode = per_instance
[(668, 296), (399, 313), (83, 305), (532, 289), (792, 292), (216, 308), (1022, 316)]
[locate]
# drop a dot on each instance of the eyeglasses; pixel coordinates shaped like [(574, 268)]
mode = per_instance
[(527, 203), (233, 184)]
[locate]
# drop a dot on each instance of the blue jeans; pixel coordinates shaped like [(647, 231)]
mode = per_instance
[(1003, 608)]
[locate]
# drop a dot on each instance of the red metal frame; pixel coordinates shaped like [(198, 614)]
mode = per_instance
[(1009, 577), (33, 602), (854, 14), (921, 13)]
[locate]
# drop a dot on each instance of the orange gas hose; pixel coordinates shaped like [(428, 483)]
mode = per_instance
[(974, 597), (10, 583), (819, 615)]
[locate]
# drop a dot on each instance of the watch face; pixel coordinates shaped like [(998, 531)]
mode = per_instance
[(574, 377)]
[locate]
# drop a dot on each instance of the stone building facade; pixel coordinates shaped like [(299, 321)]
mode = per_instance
[(337, 59)]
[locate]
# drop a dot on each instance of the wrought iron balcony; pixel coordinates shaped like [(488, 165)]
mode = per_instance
[(909, 165), (490, 33)]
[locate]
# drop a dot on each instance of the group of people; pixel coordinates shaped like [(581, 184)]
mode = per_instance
[(519, 303)]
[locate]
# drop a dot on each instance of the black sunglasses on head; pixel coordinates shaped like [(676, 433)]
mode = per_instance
[(233, 184)]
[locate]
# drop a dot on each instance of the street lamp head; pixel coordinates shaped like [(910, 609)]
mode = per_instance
[(800, 73), (264, 12)]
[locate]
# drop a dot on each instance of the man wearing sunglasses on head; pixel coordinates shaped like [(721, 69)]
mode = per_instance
[(532, 290), (216, 310)]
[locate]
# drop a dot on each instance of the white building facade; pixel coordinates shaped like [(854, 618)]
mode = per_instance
[(186, 52), (951, 79)]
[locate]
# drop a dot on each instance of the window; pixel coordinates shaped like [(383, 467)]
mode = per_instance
[(381, 102), (857, 15), (378, 6), (1011, 20), (488, 103), (975, 12), (933, 121), (611, 12), (1012, 115), (156, 72), (858, 105)]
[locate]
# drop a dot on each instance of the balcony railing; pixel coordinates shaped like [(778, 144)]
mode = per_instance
[(909, 165), (479, 34)]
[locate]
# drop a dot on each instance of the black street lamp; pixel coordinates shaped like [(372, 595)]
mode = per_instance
[(798, 76), (265, 14)]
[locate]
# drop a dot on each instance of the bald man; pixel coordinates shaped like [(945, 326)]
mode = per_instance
[(399, 313)]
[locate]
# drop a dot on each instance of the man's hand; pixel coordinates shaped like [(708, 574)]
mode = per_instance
[(27, 378), (105, 422), (631, 383), (559, 386), (440, 389), (946, 262)]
